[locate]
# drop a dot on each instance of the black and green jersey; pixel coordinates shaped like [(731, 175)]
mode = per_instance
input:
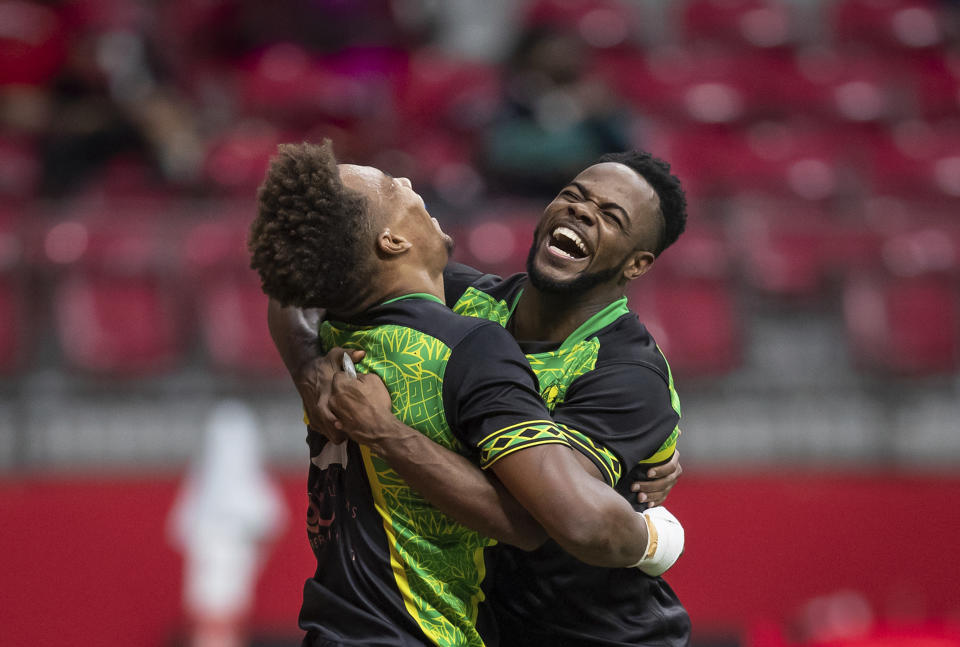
[(392, 569), (610, 389)]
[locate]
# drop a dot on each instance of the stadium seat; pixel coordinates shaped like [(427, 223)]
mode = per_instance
[(847, 88), (764, 24), (915, 160), (289, 85), (498, 242), (904, 325), (15, 310), (891, 24), (772, 158), (441, 92), (33, 45), (117, 304), (601, 24), (694, 320), (237, 160), (19, 167), (230, 307), (783, 246), (934, 81)]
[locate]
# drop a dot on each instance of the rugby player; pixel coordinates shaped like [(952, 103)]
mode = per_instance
[(603, 378), (391, 568)]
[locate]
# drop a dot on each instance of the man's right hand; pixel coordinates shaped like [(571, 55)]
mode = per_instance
[(363, 410), (314, 382)]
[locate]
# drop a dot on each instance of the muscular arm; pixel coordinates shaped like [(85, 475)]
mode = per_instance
[(585, 516), (453, 484), (294, 333)]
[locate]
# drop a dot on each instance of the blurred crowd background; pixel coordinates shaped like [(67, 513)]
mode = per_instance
[(811, 313)]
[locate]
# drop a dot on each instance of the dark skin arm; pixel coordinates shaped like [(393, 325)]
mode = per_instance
[(294, 333), (548, 480), (479, 501)]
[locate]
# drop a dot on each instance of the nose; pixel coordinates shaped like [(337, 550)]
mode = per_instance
[(405, 182), (581, 213)]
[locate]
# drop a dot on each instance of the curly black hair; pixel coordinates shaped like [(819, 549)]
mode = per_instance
[(673, 200), (307, 241)]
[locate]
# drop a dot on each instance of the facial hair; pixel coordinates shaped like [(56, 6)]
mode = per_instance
[(581, 284)]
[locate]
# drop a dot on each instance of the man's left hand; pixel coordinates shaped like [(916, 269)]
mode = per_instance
[(662, 478)]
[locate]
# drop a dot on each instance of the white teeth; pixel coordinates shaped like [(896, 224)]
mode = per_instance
[(572, 236)]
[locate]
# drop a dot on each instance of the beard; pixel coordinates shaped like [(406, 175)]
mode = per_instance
[(582, 283)]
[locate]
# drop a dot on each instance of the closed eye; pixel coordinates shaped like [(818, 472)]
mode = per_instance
[(610, 215)]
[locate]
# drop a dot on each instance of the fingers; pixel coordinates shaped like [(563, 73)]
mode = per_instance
[(672, 465), (357, 354)]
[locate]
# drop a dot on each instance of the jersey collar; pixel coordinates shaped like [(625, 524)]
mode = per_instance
[(415, 295), (602, 319)]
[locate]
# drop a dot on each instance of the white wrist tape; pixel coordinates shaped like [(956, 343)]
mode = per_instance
[(664, 541)]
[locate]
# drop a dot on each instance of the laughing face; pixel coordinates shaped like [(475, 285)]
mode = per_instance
[(402, 208), (601, 229)]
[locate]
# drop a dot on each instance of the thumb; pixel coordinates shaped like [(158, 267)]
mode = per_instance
[(357, 354)]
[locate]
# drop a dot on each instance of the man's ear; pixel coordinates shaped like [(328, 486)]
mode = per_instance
[(638, 264), (392, 244)]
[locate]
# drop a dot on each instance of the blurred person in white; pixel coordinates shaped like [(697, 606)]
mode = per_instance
[(226, 512), (600, 373)]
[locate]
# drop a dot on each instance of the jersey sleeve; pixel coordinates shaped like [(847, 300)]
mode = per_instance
[(457, 277), (621, 416), (491, 398)]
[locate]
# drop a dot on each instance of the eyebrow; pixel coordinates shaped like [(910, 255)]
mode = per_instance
[(605, 205)]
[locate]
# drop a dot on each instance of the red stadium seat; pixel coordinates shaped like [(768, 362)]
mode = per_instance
[(935, 82), (498, 243), (601, 24), (694, 320), (440, 92), (848, 88), (784, 247), (231, 308), (117, 304), (904, 325), (288, 85), (888, 24), (237, 161), (33, 45), (19, 167), (915, 160), (15, 311), (738, 23), (777, 159)]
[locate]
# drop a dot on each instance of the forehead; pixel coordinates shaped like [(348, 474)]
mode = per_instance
[(613, 182), (370, 182)]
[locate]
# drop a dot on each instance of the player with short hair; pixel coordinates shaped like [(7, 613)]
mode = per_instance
[(392, 569), (604, 380)]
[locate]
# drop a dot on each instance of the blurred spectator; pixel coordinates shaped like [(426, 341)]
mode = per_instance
[(555, 119), (227, 509)]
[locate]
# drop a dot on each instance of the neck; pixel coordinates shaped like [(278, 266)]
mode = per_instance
[(403, 280), (552, 317)]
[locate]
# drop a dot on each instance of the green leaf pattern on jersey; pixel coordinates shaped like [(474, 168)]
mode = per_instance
[(555, 370), (475, 303), (438, 563)]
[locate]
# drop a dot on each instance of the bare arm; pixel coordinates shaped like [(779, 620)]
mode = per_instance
[(585, 516), (294, 333), (446, 479)]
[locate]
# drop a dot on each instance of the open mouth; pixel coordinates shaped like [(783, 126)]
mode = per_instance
[(567, 243)]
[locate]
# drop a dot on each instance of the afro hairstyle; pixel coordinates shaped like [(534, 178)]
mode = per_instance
[(308, 240)]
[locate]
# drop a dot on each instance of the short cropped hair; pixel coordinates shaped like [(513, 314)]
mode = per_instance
[(307, 241), (673, 200)]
